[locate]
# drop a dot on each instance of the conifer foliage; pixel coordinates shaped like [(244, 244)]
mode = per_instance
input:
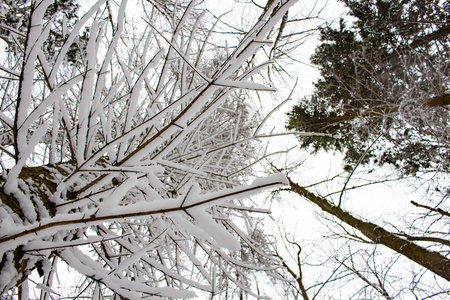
[(383, 94)]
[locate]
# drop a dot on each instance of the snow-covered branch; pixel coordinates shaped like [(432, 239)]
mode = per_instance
[(106, 108)]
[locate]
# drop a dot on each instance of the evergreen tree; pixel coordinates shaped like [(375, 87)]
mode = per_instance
[(383, 91), (14, 17)]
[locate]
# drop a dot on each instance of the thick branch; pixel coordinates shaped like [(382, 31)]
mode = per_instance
[(423, 40), (443, 100), (135, 211)]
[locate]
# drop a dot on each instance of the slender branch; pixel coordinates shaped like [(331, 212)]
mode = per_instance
[(438, 210)]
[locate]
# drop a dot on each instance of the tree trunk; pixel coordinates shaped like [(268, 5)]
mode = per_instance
[(40, 182), (433, 261)]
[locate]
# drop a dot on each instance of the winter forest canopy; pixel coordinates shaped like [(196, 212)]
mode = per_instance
[(137, 140)]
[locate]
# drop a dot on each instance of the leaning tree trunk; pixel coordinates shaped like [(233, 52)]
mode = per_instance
[(433, 261)]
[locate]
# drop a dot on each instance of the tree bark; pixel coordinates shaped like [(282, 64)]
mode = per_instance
[(423, 40), (443, 100), (433, 261)]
